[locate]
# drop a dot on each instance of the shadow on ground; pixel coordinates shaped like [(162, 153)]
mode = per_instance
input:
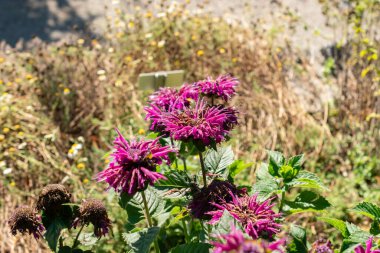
[(50, 20)]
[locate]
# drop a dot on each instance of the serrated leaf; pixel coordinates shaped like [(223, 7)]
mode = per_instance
[(236, 167), (352, 228), (218, 161), (299, 242), (368, 209), (359, 236), (306, 179), (174, 179), (296, 161), (348, 246), (265, 188), (276, 160), (306, 201), (338, 224), (134, 206), (263, 173), (140, 241), (192, 247)]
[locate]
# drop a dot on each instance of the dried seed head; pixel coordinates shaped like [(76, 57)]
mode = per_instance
[(93, 211), (52, 197), (25, 220)]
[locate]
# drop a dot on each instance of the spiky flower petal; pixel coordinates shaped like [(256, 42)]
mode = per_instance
[(25, 220), (201, 123), (258, 219), (236, 243), (134, 164), (93, 211), (223, 87), (368, 248), (51, 199)]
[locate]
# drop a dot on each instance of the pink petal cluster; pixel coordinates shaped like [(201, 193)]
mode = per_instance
[(368, 249), (322, 246), (223, 87), (236, 243), (199, 123), (258, 219), (134, 164)]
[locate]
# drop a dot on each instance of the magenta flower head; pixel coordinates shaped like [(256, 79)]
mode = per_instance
[(258, 219), (222, 87), (188, 93), (322, 246), (368, 249), (164, 98), (216, 192), (200, 123), (134, 164), (24, 220), (236, 243)]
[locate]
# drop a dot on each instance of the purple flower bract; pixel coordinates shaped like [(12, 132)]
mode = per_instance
[(368, 248), (223, 87), (134, 164), (258, 219), (236, 243)]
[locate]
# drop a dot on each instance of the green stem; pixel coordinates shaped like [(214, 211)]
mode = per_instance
[(187, 238), (203, 169), (149, 219), (184, 163), (77, 237), (282, 200), (172, 142)]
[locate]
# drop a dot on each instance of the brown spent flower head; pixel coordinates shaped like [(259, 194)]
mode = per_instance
[(25, 220), (93, 211), (52, 197)]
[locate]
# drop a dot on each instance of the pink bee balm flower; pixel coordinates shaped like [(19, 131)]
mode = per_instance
[(188, 93), (134, 164), (368, 249), (236, 243), (223, 87), (164, 98), (258, 219), (200, 123)]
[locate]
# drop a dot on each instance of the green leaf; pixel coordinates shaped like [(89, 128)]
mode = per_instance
[(375, 227), (218, 161), (299, 243), (134, 206), (352, 228), (265, 188), (53, 232), (140, 241), (306, 201), (368, 209), (192, 247), (276, 160), (348, 246), (87, 239), (296, 161), (175, 179), (359, 236), (338, 224), (237, 166), (306, 179), (263, 172)]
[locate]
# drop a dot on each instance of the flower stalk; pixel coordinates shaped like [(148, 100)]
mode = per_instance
[(203, 169), (149, 220)]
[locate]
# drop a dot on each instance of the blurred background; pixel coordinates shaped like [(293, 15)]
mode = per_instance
[(309, 73)]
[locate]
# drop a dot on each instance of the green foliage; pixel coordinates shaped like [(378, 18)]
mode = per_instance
[(338, 224), (306, 201), (140, 241), (192, 247), (299, 242), (218, 161)]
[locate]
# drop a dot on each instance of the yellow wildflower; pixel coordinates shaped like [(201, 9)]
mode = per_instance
[(66, 91), (2, 59), (81, 166), (1, 82), (20, 134), (6, 130), (128, 59), (222, 50), (18, 80), (234, 60), (12, 184), (131, 24), (148, 14), (86, 181), (12, 150), (2, 137), (200, 53), (80, 41), (141, 131)]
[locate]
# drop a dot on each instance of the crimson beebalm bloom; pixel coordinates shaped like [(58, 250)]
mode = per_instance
[(200, 123), (322, 246), (258, 219), (236, 243), (223, 87), (134, 164), (24, 219), (188, 93), (368, 249)]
